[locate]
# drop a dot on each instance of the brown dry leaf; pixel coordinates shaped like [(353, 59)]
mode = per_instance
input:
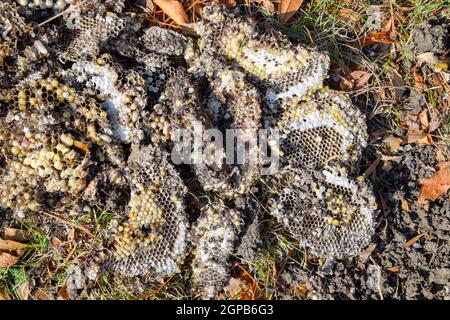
[(233, 288), (420, 137), (12, 245), (393, 269), (423, 119), (413, 240), (23, 290), (230, 4), (41, 294), (346, 14), (268, 5), (174, 9), (398, 84), (419, 82), (56, 242), (440, 156), (4, 296), (63, 293), (7, 260), (355, 80), (382, 37), (405, 206), (364, 256), (419, 128), (71, 234), (13, 234), (372, 168), (390, 27), (303, 290), (436, 186), (393, 143), (288, 8)]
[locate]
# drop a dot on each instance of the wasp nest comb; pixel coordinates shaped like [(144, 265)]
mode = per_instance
[(215, 235), (91, 106), (329, 213), (50, 140), (153, 236)]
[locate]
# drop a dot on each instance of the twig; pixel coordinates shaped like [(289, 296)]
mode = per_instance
[(77, 226), (70, 8), (160, 287)]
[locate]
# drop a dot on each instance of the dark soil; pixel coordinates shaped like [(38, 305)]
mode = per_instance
[(432, 36), (391, 270)]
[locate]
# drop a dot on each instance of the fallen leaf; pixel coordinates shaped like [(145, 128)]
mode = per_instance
[(419, 82), (405, 206), (413, 240), (393, 143), (346, 14), (440, 156), (233, 288), (398, 84), (423, 119), (230, 4), (12, 245), (71, 234), (63, 293), (13, 234), (372, 168), (4, 296), (268, 5), (23, 290), (376, 37), (420, 137), (174, 9), (288, 8), (303, 290), (393, 269), (7, 260), (390, 27), (428, 58), (41, 294), (364, 256), (436, 186), (56, 242), (355, 80)]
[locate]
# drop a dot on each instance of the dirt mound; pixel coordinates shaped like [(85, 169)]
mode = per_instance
[(431, 36), (398, 267)]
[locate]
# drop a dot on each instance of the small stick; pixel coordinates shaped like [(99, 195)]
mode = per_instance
[(70, 8), (85, 230)]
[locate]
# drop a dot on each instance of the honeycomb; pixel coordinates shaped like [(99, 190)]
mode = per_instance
[(86, 35), (90, 106), (242, 111), (327, 211), (12, 28), (123, 92), (214, 236), (164, 41), (50, 137), (153, 237), (282, 70), (54, 5), (322, 130)]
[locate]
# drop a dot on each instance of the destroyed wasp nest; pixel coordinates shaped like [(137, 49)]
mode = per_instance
[(89, 121)]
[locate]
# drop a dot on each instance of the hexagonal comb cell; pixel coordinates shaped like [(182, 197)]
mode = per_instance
[(326, 211)]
